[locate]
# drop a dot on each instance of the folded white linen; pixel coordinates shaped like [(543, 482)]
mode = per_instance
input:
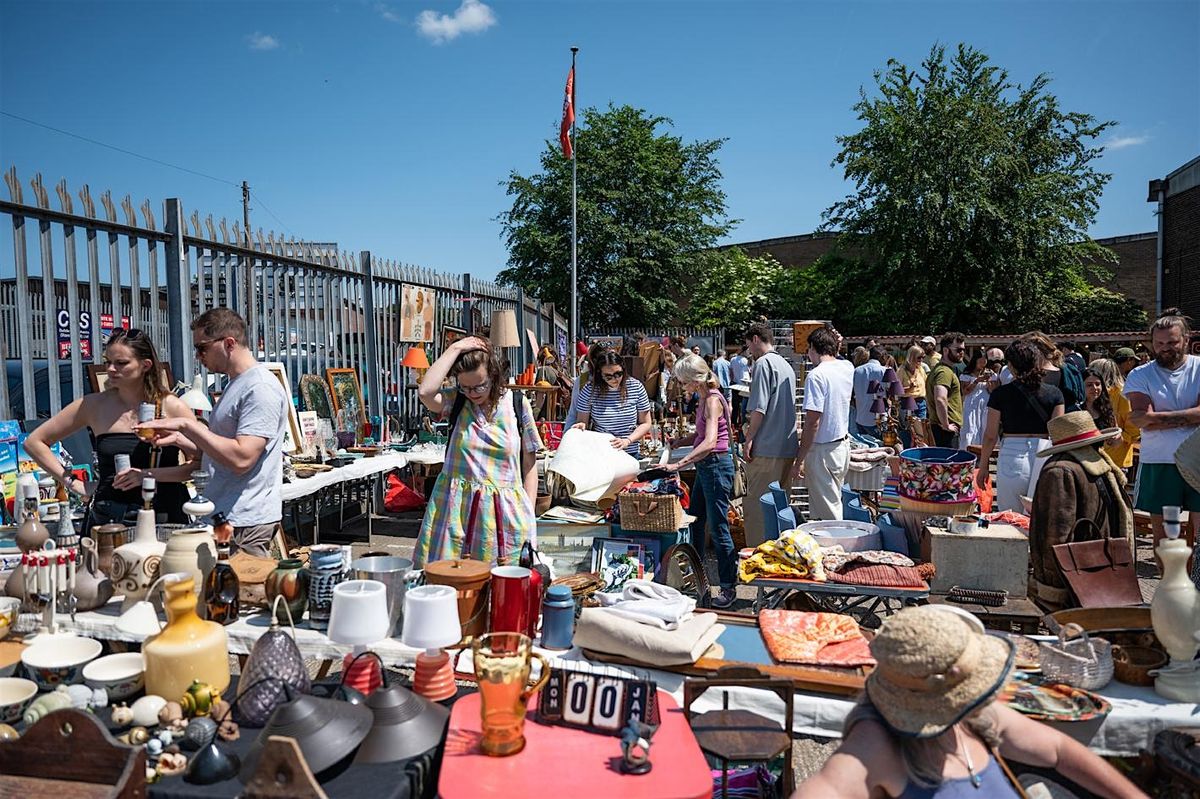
[(650, 603), (601, 631)]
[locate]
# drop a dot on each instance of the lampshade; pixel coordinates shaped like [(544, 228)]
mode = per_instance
[(504, 329), (872, 386), (878, 406), (140, 620), (908, 404), (195, 398), (405, 726), (896, 389), (359, 615), (415, 358), (431, 617), (889, 375), (326, 731)]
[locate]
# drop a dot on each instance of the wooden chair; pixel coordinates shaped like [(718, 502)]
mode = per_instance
[(68, 753), (741, 735)]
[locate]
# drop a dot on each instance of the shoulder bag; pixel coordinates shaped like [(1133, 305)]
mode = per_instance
[(1100, 571)]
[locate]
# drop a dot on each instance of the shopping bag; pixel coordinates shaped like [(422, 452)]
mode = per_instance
[(400, 497)]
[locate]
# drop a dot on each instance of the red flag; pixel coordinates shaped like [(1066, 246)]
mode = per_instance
[(568, 117)]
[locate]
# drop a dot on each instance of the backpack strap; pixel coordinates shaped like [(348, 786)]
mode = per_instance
[(516, 401), (460, 400)]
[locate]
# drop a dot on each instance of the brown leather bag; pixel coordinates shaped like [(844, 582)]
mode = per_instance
[(1101, 573)]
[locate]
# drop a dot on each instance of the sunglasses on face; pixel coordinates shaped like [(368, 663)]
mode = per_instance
[(200, 346), (612, 375)]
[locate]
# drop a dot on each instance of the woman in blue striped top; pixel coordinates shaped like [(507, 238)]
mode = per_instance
[(614, 403)]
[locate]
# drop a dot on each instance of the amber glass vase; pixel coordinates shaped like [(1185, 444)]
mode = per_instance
[(189, 648)]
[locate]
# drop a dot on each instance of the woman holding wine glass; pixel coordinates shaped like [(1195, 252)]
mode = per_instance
[(124, 454)]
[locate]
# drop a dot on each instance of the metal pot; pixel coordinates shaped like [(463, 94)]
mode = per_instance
[(394, 572)]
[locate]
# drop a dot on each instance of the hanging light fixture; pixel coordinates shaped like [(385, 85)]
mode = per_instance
[(195, 397)]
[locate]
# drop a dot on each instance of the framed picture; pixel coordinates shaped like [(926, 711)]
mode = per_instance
[(97, 374), (314, 396), (293, 441), (560, 344), (417, 308), (451, 335), (344, 386)]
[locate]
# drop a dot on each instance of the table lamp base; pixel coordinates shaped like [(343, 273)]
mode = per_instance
[(434, 676), (363, 674)]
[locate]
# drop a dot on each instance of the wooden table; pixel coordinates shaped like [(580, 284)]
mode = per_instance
[(551, 393), (1016, 615)]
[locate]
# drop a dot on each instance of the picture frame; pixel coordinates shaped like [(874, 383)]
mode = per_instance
[(293, 441), (314, 396), (418, 306), (346, 392), (450, 335)]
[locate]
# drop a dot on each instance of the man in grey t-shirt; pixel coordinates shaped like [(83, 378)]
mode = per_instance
[(243, 445), (771, 442)]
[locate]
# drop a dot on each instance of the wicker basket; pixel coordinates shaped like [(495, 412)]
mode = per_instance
[(1082, 662), (650, 513)]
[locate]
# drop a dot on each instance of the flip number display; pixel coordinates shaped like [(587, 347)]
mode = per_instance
[(610, 705), (580, 692), (598, 702)]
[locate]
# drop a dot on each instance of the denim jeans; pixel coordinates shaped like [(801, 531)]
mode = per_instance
[(710, 506)]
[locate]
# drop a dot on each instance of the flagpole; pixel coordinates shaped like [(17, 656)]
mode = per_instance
[(574, 187)]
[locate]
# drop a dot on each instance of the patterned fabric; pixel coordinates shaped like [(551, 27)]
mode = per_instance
[(880, 575), (835, 558), (478, 507), (794, 554), (936, 474), (609, 413), (820, 639)]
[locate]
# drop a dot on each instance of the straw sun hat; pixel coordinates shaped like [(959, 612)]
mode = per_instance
[(934, 668), (1074, 430)]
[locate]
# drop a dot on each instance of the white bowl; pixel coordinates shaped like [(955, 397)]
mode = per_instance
[(850, 535), (16, 695), (121, 675), (59, 660)]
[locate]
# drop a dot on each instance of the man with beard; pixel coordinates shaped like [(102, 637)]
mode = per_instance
[(1164, 395), (943, 387)]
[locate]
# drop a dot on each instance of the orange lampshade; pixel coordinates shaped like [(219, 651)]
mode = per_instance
[(415, 358)]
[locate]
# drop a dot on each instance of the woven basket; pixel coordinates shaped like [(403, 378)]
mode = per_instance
[(650, 513), (1187, 460), (936, 508), (1082, 662)]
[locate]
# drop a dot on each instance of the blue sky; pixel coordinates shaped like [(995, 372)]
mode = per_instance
[(383, 127)]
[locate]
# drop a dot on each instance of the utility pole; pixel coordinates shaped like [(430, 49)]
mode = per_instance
[(248, 292)]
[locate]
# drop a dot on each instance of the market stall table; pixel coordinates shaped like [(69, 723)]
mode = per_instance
[(321, 484), (837, 597)]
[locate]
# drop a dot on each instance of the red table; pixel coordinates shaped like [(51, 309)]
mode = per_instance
[(562, 761)]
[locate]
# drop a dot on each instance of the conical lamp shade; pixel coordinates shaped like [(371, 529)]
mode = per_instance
[(273, 661), (889, 375), (325, 730), (872, 386), (504, 329), (908, 404), (405, 726), (878, 406), (415, 358), (896, 389)]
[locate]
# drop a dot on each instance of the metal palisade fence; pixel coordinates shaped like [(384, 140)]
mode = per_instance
[(75, 275)]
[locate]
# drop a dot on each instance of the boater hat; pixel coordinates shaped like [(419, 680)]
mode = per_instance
[(933, 669), (1074, 430)]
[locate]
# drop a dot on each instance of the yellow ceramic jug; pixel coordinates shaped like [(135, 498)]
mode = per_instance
[(189, 648)]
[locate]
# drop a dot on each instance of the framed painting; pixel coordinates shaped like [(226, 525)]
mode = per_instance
[(451, 335), (346, 391), (314, 396), (417, 308), (293, 441)]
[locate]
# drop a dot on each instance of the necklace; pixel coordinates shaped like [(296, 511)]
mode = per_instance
[(976, 782)]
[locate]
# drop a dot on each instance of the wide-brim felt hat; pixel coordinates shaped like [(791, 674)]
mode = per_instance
[(934, 669), (1074, 430)]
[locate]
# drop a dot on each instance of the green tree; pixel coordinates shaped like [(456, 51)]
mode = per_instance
[(732, 287), (972, 200), (649, 206)]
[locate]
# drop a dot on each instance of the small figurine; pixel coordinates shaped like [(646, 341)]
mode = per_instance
[(199, 698), (99, 697), (199, 732), (170, 712), (81, 696), (635, 746), (154, 747), (169, 765), (135, 737), (8, 733), (122, 716)]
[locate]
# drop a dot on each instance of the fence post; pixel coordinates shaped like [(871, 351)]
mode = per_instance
[(179, 306), (373, 365), (467, 304), (521, 334)]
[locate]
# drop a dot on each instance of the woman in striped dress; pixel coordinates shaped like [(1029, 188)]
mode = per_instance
[(614, 403), (482, 503)]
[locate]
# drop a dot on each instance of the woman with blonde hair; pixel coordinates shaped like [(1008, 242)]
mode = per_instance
[(912, 376), (1120, 449), (714, 471)]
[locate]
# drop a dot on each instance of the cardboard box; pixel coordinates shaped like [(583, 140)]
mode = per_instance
[(996, 558)]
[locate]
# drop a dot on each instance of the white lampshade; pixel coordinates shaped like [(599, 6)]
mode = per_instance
[(359, 615), (431, 617), (195, 398), (504, 329), (141, 620)]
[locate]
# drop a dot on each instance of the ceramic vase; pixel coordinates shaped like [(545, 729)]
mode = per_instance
[(1175, 611), (92, 586), (31, 534), (190, 550), (291, 581), (108, 537), (136, 564), (188, 649), (320, 595), (221, 594)]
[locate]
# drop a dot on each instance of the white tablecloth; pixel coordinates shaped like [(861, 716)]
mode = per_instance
[(363, 467)]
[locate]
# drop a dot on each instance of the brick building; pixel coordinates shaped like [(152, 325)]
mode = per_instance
[(1178, 198), (1134, 274)]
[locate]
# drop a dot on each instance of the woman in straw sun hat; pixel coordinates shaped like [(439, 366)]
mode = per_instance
[(928, 724)]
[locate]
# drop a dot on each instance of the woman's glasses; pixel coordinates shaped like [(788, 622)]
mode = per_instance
[(132, 332), (613, 375), (476, 390)]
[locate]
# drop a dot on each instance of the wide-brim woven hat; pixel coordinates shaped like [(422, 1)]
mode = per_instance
[(1074, 430), (933, 669)]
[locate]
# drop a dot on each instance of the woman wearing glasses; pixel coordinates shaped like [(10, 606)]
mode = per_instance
[(614, 403), (482, 503), (133, 372)]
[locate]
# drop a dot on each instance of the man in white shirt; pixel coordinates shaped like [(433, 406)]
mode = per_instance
[(824, 454), (1165, 397)]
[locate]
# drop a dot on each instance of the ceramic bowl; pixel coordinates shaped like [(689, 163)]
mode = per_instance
[(121, 675), (16, 695), (59, 660)]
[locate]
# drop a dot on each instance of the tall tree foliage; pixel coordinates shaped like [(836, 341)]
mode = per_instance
[(732, 287), (972, 200), (649, 207)]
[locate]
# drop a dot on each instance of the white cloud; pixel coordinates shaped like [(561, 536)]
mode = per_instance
[(470, 17), (262, 41), (1121, 142), (387, 13)]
